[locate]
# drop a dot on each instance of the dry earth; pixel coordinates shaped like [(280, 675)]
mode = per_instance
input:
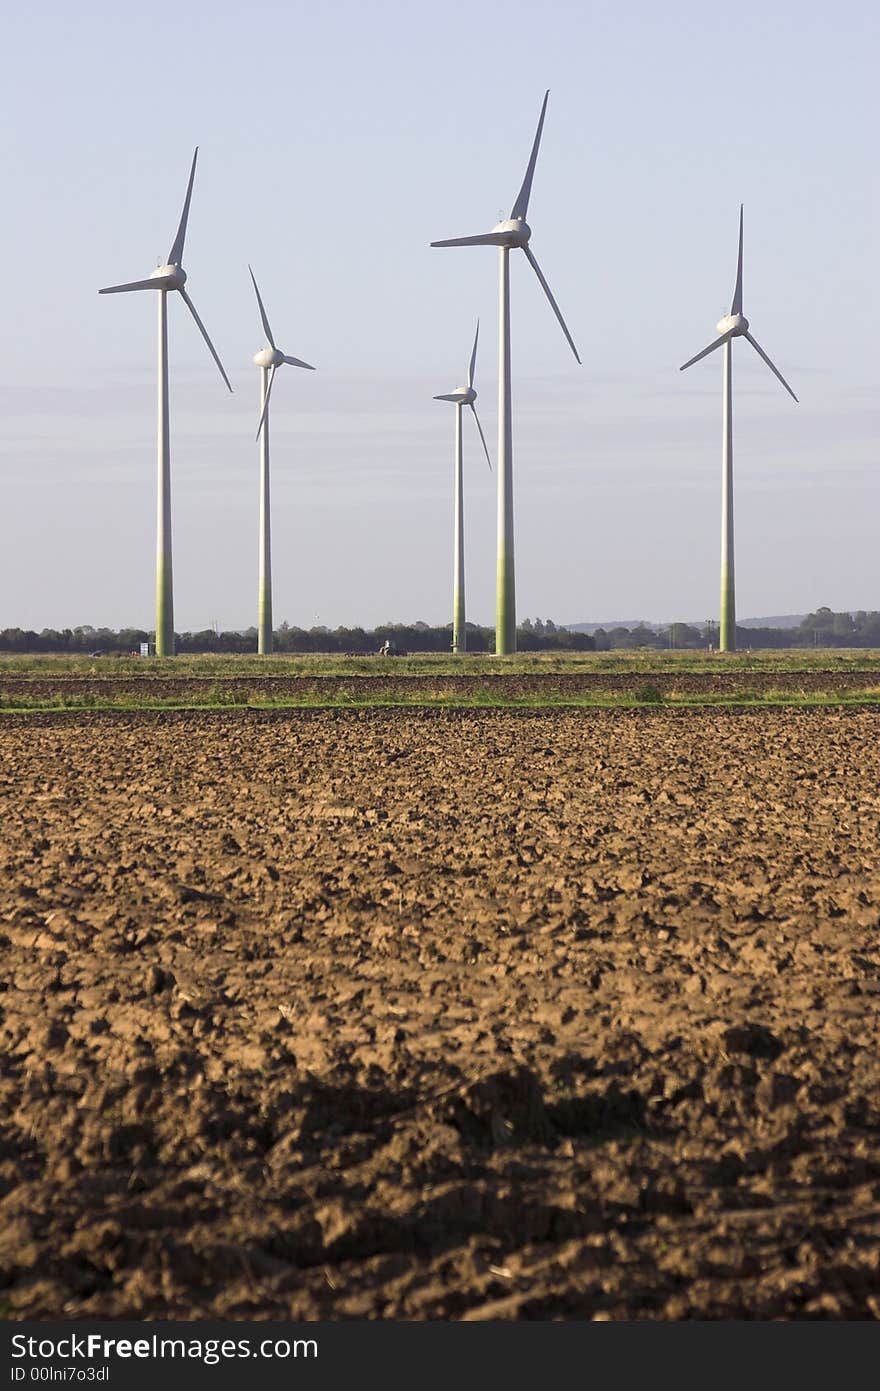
[(440, 1015)]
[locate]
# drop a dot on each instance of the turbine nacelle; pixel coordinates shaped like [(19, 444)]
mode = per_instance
[(735, 325), (513, 231), (169, 277), (269, 357), (461, 396)]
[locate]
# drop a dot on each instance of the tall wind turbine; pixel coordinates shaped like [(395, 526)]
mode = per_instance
[(462, 396), (515, 232), (733, 325), (171, 276), (268, 359)]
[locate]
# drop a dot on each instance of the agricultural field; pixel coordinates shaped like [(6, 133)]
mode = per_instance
[(455, 1013), (640, 663), (539, 680)]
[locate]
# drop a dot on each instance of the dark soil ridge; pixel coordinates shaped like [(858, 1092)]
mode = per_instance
[(362, 687), (237, 715)]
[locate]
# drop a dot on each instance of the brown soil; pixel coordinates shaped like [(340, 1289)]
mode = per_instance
[(440, 1015), (110, 688)]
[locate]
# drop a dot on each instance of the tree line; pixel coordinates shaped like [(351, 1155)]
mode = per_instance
[(824, 628), (410, 637)]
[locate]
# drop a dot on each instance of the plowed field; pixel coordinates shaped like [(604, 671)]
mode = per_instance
[(391, 686), (440, 1014)]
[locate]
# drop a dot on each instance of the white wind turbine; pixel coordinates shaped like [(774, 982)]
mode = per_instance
[(171, 276), (268, 359), (462, 396), (514, 232), (733, 325)]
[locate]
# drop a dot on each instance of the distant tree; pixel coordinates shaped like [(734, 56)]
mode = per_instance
[(682, 635), (642, 635)]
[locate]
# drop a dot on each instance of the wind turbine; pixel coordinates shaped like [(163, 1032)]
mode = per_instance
[(514, 232), (462, 396), (268, 360), (733, 325), (171, 276)]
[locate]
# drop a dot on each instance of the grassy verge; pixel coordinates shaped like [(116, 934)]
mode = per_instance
[(645, 663)]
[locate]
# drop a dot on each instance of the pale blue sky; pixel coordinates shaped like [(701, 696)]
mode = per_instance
[(336, 142)]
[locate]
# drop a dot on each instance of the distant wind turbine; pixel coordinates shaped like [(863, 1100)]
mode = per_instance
[(268, 359), (171, 276), (733, 325), (514, 232), (462, 396)]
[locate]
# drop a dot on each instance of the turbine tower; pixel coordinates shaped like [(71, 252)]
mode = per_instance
[(268, 359), (733, 325), (515, 232), (171, 276), (462, 396)]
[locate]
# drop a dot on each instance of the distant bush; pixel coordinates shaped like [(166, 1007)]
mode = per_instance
[(649, 695)]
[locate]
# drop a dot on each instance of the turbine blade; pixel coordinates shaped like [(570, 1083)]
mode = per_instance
[(454, 399), (204, 332), (482, 436), (737, 305), (706, 351), (555, 307), (521, 206), (266, 329), (265, 411), (132, 285), (295, 362), (470, 379), (484, 239), (175, 255), (775, 370)]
